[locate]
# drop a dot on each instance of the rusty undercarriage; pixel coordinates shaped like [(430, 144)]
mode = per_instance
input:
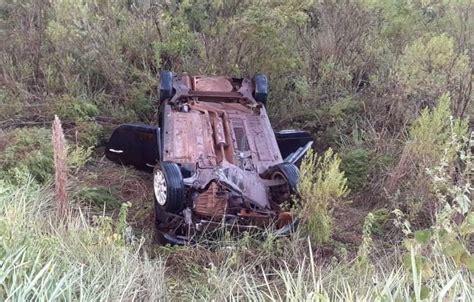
[(218, 162)]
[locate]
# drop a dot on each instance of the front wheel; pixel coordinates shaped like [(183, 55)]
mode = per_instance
[(168, 188)]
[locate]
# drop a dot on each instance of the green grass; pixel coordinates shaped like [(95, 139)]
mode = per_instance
[(89, 261), (41, 261)]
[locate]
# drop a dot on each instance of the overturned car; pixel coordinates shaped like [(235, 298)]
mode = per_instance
[(215, 158)]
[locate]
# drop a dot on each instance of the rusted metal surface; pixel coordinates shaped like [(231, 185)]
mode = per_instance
[(212, 84), (213, 202), (199, 134), (188, 138)]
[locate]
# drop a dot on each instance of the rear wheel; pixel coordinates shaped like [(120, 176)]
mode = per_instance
[(288, 173), (291, 174), (166, 85), (261, 88), (168, 189)]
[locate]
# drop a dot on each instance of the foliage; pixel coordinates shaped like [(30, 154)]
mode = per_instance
[(450, 233), (435, 134), (322, 186), (83, 262), (76, 109), (355, 164), (77, 157), (435, 137), (384, 83), (88, 134), (430, 67), (28, 151), (363, 259), (91, 59), (101, 198), (89, 261)]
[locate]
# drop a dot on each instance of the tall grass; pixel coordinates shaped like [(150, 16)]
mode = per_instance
[(82, 262), (88, 262), (234, 276)]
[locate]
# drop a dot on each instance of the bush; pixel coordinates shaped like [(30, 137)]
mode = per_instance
[(355, 165), (322, 186), (76, 109), (435, 137), (430, 67), (88, 134), (28, 151), (436, 132)]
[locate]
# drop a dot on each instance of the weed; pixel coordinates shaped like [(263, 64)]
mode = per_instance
[(60, 170), (28, 151), (321, 186), (355, 164), (99, 197)]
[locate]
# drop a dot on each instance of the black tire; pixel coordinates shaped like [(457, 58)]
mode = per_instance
[(261, 88), (290, 172), (173, 199), (166, 85)]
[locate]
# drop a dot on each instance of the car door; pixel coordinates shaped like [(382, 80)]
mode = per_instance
[(135, 145)]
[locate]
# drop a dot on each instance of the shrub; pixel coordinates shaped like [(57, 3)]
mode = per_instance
[(88, 134), (450, 235), (434, 138), (430, 67), (76, 109), (355, 164), (77, 157), (322, 186), (28, 151), (435, 133)]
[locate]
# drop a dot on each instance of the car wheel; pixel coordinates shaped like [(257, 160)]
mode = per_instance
[(168, 188), (261, 88), (166, 85), (288, 172)]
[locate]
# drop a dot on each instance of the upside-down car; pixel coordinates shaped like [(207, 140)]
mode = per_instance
[(215, 158)]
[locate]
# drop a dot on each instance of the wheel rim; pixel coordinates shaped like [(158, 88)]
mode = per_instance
[(159, 186), (278, 175)]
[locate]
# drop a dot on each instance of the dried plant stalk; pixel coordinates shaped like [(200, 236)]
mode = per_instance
[(60, 170)]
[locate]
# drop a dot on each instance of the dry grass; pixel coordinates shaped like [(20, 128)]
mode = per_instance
[(60, 170), (89, 261)]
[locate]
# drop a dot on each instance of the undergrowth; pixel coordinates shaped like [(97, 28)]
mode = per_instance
[(90, 261), (322, 186), (386, 84)]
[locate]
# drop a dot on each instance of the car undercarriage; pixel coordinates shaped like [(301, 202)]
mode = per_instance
[(217, 160)]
